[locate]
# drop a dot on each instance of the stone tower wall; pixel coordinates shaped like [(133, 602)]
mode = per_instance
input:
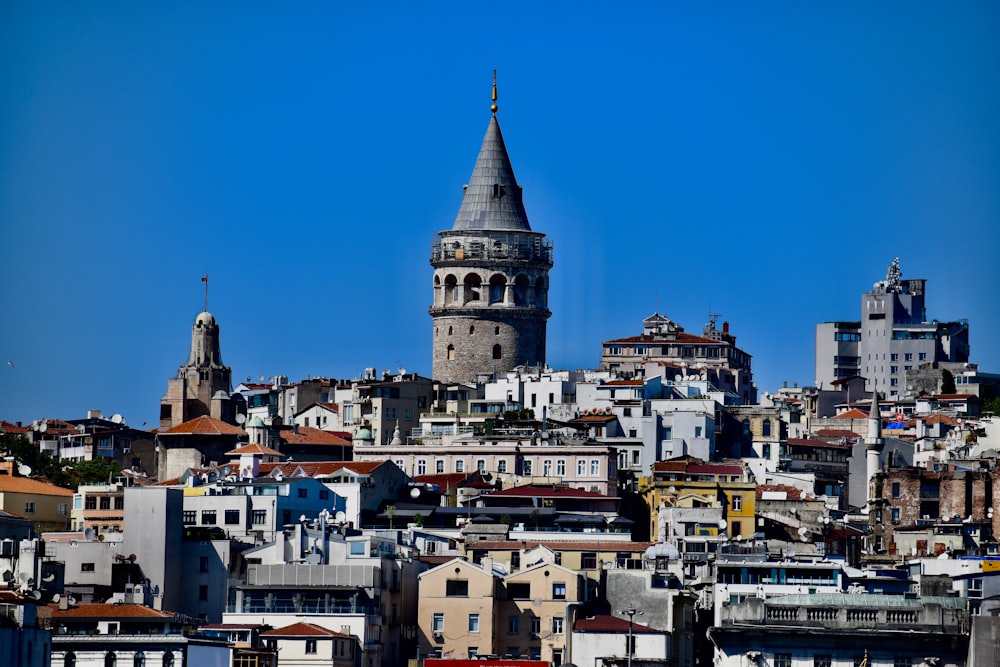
[(521, 338)]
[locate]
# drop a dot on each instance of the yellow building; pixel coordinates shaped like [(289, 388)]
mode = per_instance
[(674, 482), (46, 505)]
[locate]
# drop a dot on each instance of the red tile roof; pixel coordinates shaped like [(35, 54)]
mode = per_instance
[(682, 337), (111, 611), (204, 425), (612, 625), (312, 436), (539, 491), (7, 427), (623, 383), (447, 480), (254, 449), (954, 397), (853, 413), (303, 630), (714, 469), (817, 443)]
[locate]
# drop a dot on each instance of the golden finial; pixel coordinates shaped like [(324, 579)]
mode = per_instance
[(494, 106)]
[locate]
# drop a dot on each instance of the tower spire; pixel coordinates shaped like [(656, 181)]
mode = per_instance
[(494, 107)]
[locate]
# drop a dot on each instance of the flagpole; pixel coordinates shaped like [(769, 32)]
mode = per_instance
[(205, 280)]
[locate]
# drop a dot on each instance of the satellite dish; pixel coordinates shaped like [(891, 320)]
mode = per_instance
[(49, 578), (260, 378), (722, 524), (240, 418), (71, 600), (340, 517), (81, 428), (89, 533), (117, 418), (23, 469), (8, 575), (43, 426), (302, 518), (56, 597), (35, 595), (803, 530), (415, 492)]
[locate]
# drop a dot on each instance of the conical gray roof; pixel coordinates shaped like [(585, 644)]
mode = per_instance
[(492, 198)]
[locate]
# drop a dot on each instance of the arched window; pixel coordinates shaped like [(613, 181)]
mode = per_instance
[(540, 292), (472, 287), (497, 352), (496, 331), (110, 660), (472, 329), (69, 660), (449, 331), (521, 290), (451, 353), (168, 659), (139, 659), (767, 428), (451, 292), (497, 285)]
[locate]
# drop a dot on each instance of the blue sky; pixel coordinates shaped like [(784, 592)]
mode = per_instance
[(765, 161)]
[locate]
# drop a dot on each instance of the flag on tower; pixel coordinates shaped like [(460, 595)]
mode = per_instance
[(204, 278)]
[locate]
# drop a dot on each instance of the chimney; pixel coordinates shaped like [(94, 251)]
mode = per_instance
[(158, 601), (725, 327), (487, 563)]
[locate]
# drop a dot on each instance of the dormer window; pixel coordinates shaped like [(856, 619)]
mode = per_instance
[(497, 191)]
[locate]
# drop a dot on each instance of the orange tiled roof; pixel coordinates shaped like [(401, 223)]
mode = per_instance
[(593, 419), (7, 427), (254, 449), (17, 484), (612, 625), (623, 383), (853, 413), (111, 611), (835, 433), (794, 493), (539, 491), (312, 436), (303, 630), (204, 425)]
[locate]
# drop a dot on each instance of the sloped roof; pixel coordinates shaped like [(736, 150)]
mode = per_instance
[(714, 469), (853, 413), (204, 425), (593, 419), (312, 436), (254, 449), (792, 492), (303, 630), (321, 468), (678, 337), (612, 625), (481, 208), (7, 427), (111, 611), (836, 433), (817, 443), (18, 484)]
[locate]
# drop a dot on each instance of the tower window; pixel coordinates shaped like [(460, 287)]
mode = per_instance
[(497, 191), (496, 331), (472, 330), (449, 331), (497, 352), (451, 353)]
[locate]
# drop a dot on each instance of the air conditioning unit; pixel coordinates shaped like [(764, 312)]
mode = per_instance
[(126, 450), (438, 634)]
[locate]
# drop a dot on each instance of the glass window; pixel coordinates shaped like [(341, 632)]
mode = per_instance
[(513, 625), (422, 466), (581, 467), (303, 493), (559, 591), (595, 468), (110, 660), (822, 660), (310, 646), (481, 465), (139, 659), (502, 465), (457, 588), (258, 517), (439, 466), (782, 660), (473, 622), (561, 467), (438, 623), (588, 560), (557, 625), (547, 467), (536, 625), (69, 660), (737, 503), (188, 517), (460, 466), (232, 517), (168, 659), (208, 517), (526, 466)]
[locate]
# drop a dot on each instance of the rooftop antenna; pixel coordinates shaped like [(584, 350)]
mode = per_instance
[(204, 279), (494, 107)]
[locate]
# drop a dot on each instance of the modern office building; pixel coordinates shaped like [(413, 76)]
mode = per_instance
[(894, 337)]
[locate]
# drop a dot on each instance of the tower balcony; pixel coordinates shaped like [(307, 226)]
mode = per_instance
[(478, 311), (506, 251)]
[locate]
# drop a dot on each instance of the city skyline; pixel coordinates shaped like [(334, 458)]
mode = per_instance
[(763, 163)]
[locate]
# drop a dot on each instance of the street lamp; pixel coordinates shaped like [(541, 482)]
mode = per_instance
[(631, 613)]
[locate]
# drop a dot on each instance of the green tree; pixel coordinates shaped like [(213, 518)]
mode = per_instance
[(947, 382)]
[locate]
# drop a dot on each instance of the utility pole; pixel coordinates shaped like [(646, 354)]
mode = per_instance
[(631, 613)]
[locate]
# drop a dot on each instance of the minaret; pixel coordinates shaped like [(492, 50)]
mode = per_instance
[(491, 275), (874, 444), (202, 385)]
